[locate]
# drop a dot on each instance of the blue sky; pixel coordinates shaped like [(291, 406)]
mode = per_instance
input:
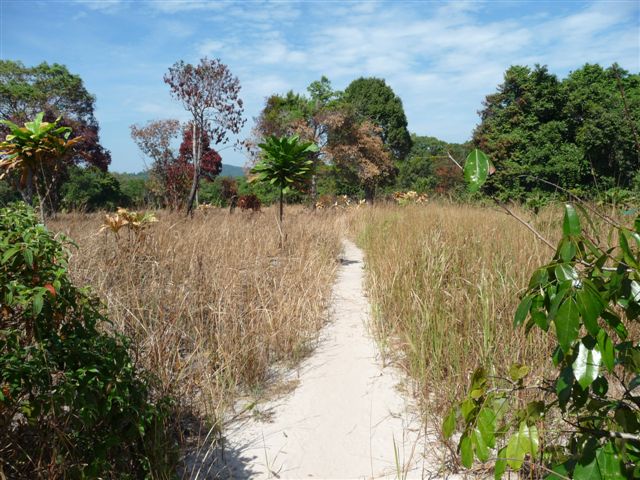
[(441, 58)]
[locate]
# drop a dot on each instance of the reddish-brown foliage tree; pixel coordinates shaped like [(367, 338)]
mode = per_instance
[(357, 148), (210, 161), (249, 202), (154, 140), (211, 94)]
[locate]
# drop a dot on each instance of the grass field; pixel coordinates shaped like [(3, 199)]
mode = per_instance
[(444, 282), (212, 303)]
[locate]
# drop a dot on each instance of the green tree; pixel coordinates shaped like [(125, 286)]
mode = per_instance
[(428, 167), (90, 189), (33, 154), (295, 114), (285, 164), (521, 130), (135, 188), (574, 133), (598, 125), (52, 89), (375, 101)]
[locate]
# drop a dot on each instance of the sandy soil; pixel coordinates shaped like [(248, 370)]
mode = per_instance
[(346, 418)]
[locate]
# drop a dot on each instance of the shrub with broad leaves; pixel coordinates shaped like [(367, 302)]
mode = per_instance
[(73, 404)]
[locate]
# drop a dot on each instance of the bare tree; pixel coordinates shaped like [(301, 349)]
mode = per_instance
[(154, 140), (211, 94)]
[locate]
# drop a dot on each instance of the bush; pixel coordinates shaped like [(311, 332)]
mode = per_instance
[(72, 402), (92, 189), (249, 202)]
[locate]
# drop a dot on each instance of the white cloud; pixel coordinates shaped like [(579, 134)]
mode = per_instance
[(102, 5), (210, 48)]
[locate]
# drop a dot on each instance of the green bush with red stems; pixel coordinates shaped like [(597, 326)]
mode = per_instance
[(73, 404)]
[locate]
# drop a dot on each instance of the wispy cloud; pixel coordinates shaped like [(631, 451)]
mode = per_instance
[(102, 5)]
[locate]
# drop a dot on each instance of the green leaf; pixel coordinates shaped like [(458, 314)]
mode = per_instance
[(449, 424), (586, 365), (564, 383), (567, 323), (561, 472), (10, 252), (486, 424), (522, 311), (635, 292), (524, 441), (467, 407), (571, 222), (466, 452), (565, 272), (567, 250), (607, 350), (501, 464), (609, 462), (28, 257), (38, 303), (476, 170), (591, 305), (587, 466), (517, 371), (480, 445), (623, 240)]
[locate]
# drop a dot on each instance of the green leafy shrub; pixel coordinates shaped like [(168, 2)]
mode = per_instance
[(583, 421), (72, 402), (90, 189)]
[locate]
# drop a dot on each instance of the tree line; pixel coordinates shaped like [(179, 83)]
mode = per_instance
[(544, 134)]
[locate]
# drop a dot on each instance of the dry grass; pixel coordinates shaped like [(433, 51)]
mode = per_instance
[(444, 282), (212, 303)]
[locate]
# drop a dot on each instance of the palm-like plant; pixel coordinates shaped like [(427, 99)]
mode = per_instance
[(33, 150), (285, 163)]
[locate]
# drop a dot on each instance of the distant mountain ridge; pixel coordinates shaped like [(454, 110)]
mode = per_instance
[(231, 171)]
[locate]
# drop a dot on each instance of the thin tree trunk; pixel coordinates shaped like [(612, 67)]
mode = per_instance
[(27, 193), (314, 190), (280, 227), (41, 202), (195, 141)]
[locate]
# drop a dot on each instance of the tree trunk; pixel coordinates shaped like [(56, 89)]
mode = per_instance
[(314, 182), (369, 193), (195, 149), (280, 228), (27, 192), (41, 202)]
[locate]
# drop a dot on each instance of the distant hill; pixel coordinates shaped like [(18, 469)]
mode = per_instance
[(227, 171), (231, 171)]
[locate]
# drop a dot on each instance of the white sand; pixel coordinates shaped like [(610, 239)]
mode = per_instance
[(346, 418)]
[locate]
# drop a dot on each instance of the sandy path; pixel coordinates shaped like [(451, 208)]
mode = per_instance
[(346, 414)]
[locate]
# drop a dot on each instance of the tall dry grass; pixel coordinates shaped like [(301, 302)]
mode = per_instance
[(211, 303), (444, 282)]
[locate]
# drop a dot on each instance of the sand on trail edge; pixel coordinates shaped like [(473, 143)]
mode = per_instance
[(346, 418)]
